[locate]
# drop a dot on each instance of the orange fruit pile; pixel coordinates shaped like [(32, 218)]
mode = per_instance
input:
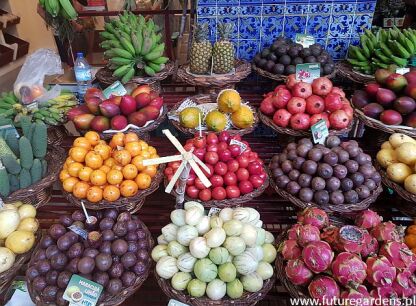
[(95, 170)]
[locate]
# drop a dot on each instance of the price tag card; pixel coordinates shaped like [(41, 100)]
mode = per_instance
[(402, 70), (173, 302), (115, 89), (304, 39), (214, 211), (32, 106), (79, 231), (319, 132), (82, 292), (308, 72), (242, 145)]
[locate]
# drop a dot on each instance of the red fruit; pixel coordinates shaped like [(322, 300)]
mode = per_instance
[(199, 142), (300, 121), (411, 90), (232, 165), (266, 107), (205, 195), (373, 110), (137, 118), (391, 117), (296, 105), (151, 112), (349, 111), (410, 77), (220, 168), (78, 110), (224, 136), (368, 219), (199, 184), (93, 105), (281, 117), (245, 187), (115, 99), (211, 158), (317, 255), (315, 105), (222, 146), (157, 102), (100, 123), (411, 120), (242, 161), (396, 82), (119, 122), (232, 192), (168, 171), (212, 138), (385, 97), (281, 86), (211, 171), (281, 98), (192, 192), (323, 288), (297, 272), (333, 102), (200, 153), (191, 179), (291, 81), (404, 105), (360, 98), (337, 90), (381, 75), (127, 105), (212, 148), (139, 89), (242, 174), (94, 92), (321, 86), (317, 117), (235, 150), (314, 216), (302, 90), (109, 109), (371, 89), (219, 193), (339, 120), (216, 180), (225, 155), (142, 99), (256, 181), (255, 168), (235, 137), (230, 179), (83, 121)]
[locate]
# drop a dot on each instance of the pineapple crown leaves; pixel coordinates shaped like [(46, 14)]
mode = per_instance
[(225, 30), (201, 32)]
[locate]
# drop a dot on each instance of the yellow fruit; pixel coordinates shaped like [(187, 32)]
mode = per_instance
[(386, 145), (143, 181), (85, 173), (103, 150), (20, 242), (105, 168), (133, 147), (80, 190), (138, 162), (129, 171), (29, 224), (93, 160), (406, 153), (189, 117), (98, 178), (398, 172), (114, 177), (27, 211), (74, 168), (143, 144), (216, 121), (111, 193), (78, 154), (128, 188), (82, 142), (122, 157), (110, 162), (386, 157), (64, 174), (397, 139), (94, 194), (130, 137), (92, 137), (69, 183), (229, 101), (410, 183), (243, 118)]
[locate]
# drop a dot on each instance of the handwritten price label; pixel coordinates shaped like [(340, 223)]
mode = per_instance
[(308, 72)]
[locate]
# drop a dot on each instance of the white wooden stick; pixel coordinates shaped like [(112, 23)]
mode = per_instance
[(199, 162), (174, 141), (180, 189), (175, 177), (199, 124), (200, 174), (85, 212), (161, 160)]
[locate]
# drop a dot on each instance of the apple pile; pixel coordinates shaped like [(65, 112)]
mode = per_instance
[(100, 114), (299, 105), (391, 99), (233, 172)]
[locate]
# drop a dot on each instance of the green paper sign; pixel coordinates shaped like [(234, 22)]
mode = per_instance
[(304, 39), (82, 292), (319, 131), (308, 72), (115, 89)]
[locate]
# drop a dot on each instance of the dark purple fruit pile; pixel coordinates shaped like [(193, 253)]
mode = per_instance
[(338, 173), (115, 254)]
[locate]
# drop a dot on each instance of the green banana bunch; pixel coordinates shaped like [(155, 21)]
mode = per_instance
[(383, 49), (59, 7), (133, 46)]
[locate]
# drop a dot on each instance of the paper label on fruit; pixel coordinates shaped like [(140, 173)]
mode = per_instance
[(82, 292), (173, 302), (304, 39), (319, 132), (402, 70), (242, 146), (79, 231), (32, 106), (8, 129), (308, 72), (214, 211), (115, 89)]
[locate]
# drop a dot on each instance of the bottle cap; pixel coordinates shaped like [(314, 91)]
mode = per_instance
[(80, 54)]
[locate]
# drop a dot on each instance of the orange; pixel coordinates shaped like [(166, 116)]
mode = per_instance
[(94, 194), (143, 144), (150, 170), (74, 168), (154, 156), (82, 142), (411, 229), (64, 174), (78, 154), (110, 162), (114, 177), (118, 139), (145, 154), (130, 137), (105, 169), (129, 171), (143, 181), (85, 173), (103, 150), (138, 162), (128, 188), (133, 147), (122, 157), (92, 137), (152, 150), (98, 178), (69, 183), (80, 190), (117, 167), (93, 160), (410, 240), (111, 193), (68, 161)]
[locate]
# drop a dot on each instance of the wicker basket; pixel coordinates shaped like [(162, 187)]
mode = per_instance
[(287, 131), (132, 204), (329, 208), (107, 300), (378, 125), (56, 133), (202, 99), (344, 69), (38, 194), (246, 299), (282, 77), (242, 70)]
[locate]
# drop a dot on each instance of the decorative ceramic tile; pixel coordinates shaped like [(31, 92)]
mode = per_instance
[(233, 20), (293, 9), (227, 10), (343, 8), (321, 41), (205, 11), (361, 22), (250, 27), (248, 48), (207, 2), (273, 9), (337, 47), (212, 27), (318, 25), (228, 2), (320, 8), (340, 25), (272, 26), (294, 25), (254, 10), (366, 7)]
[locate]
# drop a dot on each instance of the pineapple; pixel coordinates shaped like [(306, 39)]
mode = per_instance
[(201, 50), (223, 53)]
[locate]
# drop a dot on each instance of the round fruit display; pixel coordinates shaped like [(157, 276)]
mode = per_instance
[(114, 254), (223, 257), (101, 172), (389, 103), (236, 174), (337, 177), (137, 110), (353, 264), (294, 107), (283, 55)]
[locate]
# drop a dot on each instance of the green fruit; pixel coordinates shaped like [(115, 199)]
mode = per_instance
[(26, 153), (189, 117), (36, 171), (216, 121), (40, 140), (25, 178), (4, 182)]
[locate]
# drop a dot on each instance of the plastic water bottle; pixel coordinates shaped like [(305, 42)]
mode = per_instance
[(82, 74)]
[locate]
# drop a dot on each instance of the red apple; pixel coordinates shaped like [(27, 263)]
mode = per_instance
[(200, 153), (216, 180), (333, 102), (300, 121), (230, 179), (339, 120), (212, 138), (233, 165), (199, 142), (296, 105), (302, 90), (211, 158), (220, 168), (282, 117), (315, 105), (321, 86), (213, 147), (245, 187), (224, 136)]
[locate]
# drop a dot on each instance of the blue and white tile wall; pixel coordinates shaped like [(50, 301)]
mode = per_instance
[(334, 24)]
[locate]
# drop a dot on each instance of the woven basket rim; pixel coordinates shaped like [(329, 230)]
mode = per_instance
[(209, 98), (344, 69), (282, 77)]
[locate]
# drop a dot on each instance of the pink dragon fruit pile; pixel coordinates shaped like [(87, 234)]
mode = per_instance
[(360, 262)]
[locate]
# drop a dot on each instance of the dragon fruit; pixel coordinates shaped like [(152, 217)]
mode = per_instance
[(398, 254), (297, 272), (405, 283), (359, 294), (315, 216), (292, 233), (350, 239), (290, 249), (324, 288), (386, 295), (317, 256), (368, 219), (386, 231), (370, 245), (330, 234), (307, 233), (380, 272), (348, 269)]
